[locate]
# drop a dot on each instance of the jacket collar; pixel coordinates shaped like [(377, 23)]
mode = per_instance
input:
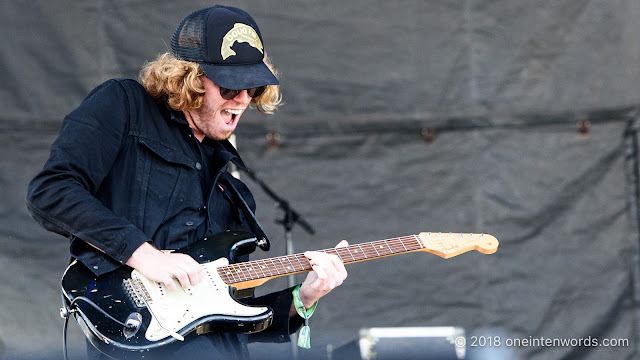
[(227, 151)]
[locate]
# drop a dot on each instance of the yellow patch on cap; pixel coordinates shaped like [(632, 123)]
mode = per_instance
[(240, 33)]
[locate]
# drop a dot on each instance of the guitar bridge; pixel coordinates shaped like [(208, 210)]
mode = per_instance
[(137, 292)]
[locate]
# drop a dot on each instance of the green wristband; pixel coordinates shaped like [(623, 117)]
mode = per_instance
[(304, 340)]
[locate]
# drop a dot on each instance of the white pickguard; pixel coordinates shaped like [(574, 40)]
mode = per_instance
[(174, 309)]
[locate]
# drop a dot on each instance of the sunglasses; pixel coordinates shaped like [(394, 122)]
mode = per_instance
[(229, 94)]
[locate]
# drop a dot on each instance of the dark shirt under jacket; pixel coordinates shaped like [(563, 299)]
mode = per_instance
[(126, 170)]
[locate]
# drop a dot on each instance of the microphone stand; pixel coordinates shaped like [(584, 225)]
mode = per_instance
[(291, 217)]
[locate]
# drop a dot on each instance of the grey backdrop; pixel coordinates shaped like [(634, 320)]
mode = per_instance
[(501, 86)]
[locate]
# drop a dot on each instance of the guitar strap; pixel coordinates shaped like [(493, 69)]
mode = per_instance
[(262, 240)]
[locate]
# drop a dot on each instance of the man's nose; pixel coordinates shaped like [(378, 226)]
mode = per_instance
[(243, 97)]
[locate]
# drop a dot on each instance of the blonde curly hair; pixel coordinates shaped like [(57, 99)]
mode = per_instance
[(178, 83)]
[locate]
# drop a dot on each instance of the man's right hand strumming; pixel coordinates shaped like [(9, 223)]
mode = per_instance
[(163, 267)]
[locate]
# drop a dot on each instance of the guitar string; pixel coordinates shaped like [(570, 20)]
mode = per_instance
[(277, 262), (391, 245), (394, 246)]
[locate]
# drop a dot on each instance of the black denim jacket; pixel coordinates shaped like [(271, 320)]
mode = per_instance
[(121, 173)]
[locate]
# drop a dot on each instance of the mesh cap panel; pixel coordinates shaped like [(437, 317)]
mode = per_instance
[(187, 42)]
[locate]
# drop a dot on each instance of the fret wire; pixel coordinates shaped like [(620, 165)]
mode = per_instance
[(277, 265), (283, 263), (238, 272), (374, 248), (362, 251), (297, 256), (365, 248), (387, 243), (273, 266), (355, 253), (302, 267), (348, 248), (223, 273), (366, 252), (292, 267), (284, 267), (417, 239), (402, 243), (251, 269), (224, 277), (272, 269), (231, 271), (228, 273), (246, 273), (369, 247), (257, 269), (378, 245), (336, 253), (261, 267), (410, 241), (269, 266)]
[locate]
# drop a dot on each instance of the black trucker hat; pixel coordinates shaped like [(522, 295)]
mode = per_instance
[(226, 42)]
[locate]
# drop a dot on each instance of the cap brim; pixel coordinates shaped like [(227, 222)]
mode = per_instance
[(239, 77)]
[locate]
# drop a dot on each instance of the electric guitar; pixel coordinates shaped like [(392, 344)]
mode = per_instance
[(123, 312)]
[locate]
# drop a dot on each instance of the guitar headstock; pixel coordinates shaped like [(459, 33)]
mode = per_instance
[(448, 245)]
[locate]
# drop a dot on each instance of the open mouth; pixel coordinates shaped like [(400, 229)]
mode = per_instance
[(233, 113)]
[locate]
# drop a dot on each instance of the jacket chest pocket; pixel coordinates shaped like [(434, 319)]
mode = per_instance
[(171, 184)]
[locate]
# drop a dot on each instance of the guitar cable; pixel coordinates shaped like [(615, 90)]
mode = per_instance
[(66, 311)]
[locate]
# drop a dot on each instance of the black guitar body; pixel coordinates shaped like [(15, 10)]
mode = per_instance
[(109, 293)]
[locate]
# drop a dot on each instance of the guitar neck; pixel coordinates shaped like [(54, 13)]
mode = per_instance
[(256, 272), (297, 263)]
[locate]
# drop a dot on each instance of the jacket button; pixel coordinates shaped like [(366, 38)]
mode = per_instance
[(198, 166), (189, 223)]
